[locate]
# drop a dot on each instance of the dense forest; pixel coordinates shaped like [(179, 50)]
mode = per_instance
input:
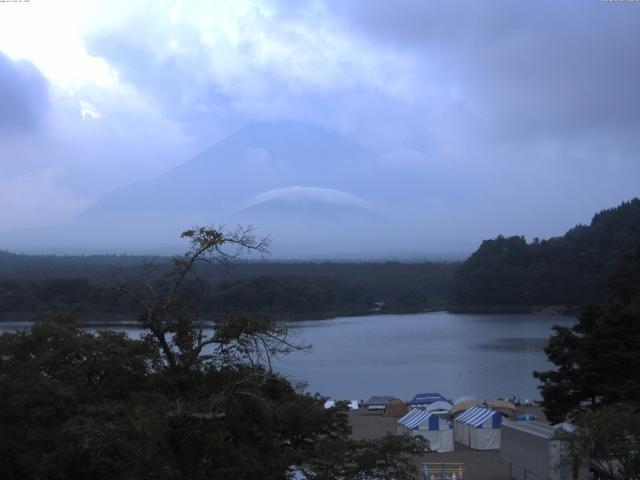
[(571, 270), (34, 286), (179, 402)]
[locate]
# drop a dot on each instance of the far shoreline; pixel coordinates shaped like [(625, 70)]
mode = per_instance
[(119, 320)]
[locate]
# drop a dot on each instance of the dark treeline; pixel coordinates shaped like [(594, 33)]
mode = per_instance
[(37, 285), (570, 270)]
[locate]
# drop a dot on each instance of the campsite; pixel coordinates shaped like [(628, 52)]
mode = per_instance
[(465, 436)]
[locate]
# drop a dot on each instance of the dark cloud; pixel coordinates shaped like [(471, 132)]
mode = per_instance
[(24, 95), (529, 67)]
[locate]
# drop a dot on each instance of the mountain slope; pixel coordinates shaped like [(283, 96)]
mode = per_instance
[(567, 270), (217, 187)]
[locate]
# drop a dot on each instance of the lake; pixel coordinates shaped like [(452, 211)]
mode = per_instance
[(486, 356)]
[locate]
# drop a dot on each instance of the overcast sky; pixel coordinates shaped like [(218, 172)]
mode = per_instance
[(531, 108)]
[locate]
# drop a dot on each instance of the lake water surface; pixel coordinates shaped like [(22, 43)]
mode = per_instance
[(486, 356)]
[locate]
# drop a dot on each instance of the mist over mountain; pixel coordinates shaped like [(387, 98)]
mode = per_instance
[(315, 192)]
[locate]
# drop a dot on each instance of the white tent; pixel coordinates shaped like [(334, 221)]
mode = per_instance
[(440, 406), (478, 428), (437, 431), (351, 404)]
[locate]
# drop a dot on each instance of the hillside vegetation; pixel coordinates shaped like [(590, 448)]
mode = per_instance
[(34, 286), (571, 270)]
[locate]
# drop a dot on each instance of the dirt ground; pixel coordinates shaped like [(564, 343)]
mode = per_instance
[(479, 465)]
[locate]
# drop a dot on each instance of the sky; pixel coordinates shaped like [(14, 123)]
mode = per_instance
[(524, 116)]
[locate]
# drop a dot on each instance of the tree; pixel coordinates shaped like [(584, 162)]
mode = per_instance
[(608, 440), (598, 359), (178, 403)]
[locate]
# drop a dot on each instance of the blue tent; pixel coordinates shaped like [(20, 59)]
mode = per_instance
[(525, 416), (425, 424), (426, 399), (478, 428)]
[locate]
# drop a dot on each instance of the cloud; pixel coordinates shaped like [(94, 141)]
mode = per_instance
[(407, 158), (492, 113), (24, 96), (24, 198), (297, 194), (526, 68)]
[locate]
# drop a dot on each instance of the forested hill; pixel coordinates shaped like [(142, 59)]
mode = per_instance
[(33, 286), (570, 270)]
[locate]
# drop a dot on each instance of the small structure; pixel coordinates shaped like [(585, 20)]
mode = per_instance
[(395, 408), (351, 404), (525, 416), (443, 471), (439, 406), (478, 428), (430, 426), (464, 398), (463, 406), (533, 451), (329, 404), (378, 402), (505, 407), (424, 399)]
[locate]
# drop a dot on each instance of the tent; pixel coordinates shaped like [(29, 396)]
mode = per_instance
[(503, 406), (422, 399), (464, 405), (378, 402), (525, 417), (439, 406), (464, 398), (437, 431), (478, 428), (395, 408), (351, 404)]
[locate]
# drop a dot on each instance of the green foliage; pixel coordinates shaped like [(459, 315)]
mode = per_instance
[(288, 294), (176, 403), (598, 360), (608, 439), (36, 286), (342, 459), (569, 270)]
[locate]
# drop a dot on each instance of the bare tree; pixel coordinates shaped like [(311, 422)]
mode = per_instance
[(176, 326)]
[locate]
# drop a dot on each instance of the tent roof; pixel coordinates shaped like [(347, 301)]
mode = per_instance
[(464, 398), (380, 400), (502, 404), (414, 418), (462, 406), (439, 405), (426, 398), (476, 416)]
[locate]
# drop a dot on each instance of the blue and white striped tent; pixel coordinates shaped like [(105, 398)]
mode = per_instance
[(432, 427), (478, 428)]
